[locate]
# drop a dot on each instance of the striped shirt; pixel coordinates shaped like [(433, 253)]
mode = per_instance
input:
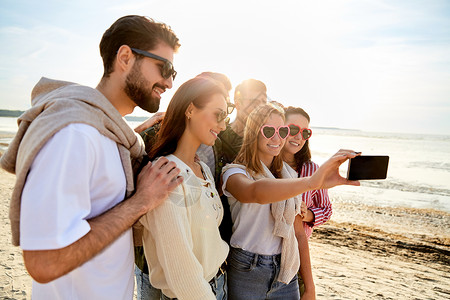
[(317, 201)]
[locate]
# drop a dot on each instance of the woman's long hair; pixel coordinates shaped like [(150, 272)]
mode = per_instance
[(196, 91), (248, 155), (304, 155)]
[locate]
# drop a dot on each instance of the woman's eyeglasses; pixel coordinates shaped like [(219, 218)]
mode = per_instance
[(269, 131), (305, 133), (167, 69)]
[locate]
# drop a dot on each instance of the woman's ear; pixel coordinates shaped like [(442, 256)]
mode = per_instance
[(189, 111)]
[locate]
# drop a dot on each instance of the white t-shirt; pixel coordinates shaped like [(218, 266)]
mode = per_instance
[(253, 223), (76, 176)]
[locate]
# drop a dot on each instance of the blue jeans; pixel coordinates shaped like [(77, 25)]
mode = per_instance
[(218, 285), (145, 291), (254, 276)]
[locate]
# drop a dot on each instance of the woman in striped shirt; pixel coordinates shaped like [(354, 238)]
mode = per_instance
[(316, 205)]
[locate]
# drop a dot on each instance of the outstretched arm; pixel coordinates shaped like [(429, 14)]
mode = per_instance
[(270, 190)]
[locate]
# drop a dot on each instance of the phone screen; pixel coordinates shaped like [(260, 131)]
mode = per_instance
[(367, 167)]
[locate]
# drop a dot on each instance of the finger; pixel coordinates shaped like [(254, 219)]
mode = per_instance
[(154, 121), (139, 129), (345, 181), (173, 173), (168, 167), (174, 183), (168, 171), (348, 152), (353, 182), (342, 156), (145, 169), (345, 150), (150, 122), (160, 115), (143, 126), (160, 162)]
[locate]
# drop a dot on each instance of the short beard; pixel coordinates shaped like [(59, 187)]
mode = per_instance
[(137, 89)]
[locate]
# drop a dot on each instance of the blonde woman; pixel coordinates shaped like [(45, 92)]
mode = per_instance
[(265, 208)]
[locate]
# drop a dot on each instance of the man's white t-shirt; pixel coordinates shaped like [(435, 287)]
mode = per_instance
[(253, 223), (76, 176)]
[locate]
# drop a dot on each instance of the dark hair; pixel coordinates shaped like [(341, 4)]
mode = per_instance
[(137, 32), (241, 91), (222, 78), (196, 91), (304, 155)]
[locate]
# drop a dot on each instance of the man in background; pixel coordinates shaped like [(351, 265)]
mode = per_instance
[(248, 95)]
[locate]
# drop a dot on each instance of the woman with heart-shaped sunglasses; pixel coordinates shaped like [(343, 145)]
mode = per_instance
[(268, 240), (316, 205)]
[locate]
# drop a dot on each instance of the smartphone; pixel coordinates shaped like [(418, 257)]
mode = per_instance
[(368, 167)]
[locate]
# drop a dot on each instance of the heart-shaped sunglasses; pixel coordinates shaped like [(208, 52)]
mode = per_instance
[(269, 131), (305, 133)]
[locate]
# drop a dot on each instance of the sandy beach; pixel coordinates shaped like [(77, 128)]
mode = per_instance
[(363, 253)]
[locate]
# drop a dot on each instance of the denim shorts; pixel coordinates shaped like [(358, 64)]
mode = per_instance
[(253, 276)]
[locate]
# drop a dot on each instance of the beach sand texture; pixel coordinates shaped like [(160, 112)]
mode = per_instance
[(360, 254)]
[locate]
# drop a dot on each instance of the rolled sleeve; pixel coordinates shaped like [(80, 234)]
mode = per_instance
[(321, 207)]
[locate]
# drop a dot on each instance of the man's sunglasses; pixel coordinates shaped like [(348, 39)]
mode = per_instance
[(269, 131), (222, 115), (167, 70), (295, 130), (230, 107)]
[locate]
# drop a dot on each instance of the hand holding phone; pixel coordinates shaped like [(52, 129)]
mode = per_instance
[(368, 167)]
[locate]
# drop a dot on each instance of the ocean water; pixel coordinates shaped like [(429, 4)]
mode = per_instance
[(418, 172), (8, 127)]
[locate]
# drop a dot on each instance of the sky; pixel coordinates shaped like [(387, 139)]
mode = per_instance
[(373, 65)]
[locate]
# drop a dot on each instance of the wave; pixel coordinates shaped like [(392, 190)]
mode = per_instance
[(430, 165), (383, 135), (392, 184)]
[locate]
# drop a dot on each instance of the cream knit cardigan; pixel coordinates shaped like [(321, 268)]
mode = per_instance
[(284, 213), (56, 104), (182, 242)]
